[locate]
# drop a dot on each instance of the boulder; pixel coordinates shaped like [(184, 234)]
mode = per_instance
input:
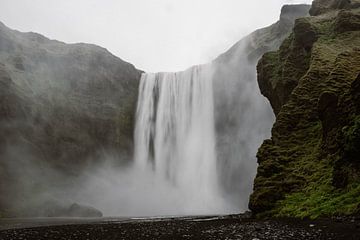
[(77, 210), (57, 209)]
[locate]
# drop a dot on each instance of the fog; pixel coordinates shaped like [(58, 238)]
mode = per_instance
[(60, 90), (156, 35), (126, 190), (243, 120)]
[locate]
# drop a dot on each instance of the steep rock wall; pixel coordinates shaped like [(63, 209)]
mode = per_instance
[(243, 117), (62, 106), (310, 166)]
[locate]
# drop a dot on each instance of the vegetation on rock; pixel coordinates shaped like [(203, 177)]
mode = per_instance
[(310, 167)]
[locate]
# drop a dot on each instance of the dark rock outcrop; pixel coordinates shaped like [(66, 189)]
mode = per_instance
[(355, 92), (310, 166), (324, 6), (62, 106), (281, 80), (56, 209), (77, 210)]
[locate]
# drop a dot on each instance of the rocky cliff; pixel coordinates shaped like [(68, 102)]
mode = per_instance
[(243, 117), (62, 106), (310, 166)]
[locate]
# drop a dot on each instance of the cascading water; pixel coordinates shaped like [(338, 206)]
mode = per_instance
[(175, 136), (196, 137)]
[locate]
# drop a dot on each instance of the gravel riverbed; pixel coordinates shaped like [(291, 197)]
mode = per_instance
[(225, 227)]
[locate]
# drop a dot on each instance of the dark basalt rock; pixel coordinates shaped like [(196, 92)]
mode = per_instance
[(328, 113), (267, 62), (276, 82), (355, 86), (312, 83), (322, 6), (61, 106), (347, 21), (237, 100), (347, 167), (76, 210), (56, 209), (304, 33)]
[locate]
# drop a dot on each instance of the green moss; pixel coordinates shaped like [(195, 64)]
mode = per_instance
[(320, 200), (272, 59), (306, 170), (352, 138), (318, 197)]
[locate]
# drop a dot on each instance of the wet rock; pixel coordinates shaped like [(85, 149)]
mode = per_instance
[(327, 108), (179, 229), (355, 92), (322, 6), (57, 209), (77, 210), (347, 21), (60, 104), (304, 33), (310, 83)]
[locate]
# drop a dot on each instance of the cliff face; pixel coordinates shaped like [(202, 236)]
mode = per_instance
[(266, 39), (243, 117), (310, 166), (61, 106)]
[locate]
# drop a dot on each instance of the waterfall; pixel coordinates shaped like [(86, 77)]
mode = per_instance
[(175, 136)]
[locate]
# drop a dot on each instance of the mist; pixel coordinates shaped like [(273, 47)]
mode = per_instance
[(243, 120), (114, 189), (157, 35), (114, 183), (73, 131)]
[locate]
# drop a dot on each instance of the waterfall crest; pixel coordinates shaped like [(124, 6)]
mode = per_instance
[(175, 135)]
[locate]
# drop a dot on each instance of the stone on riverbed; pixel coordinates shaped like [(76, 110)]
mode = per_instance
[(55, 209), (76, 210)]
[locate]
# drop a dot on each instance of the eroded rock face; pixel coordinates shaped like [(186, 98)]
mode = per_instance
[(62, 107), (308, 165), (355, 86), (323, 6), (347, 21), (279, 72), (243, 117), (77, 210), (328, 113), (304, 34)]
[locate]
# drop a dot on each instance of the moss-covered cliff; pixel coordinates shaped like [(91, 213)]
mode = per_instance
[(311, 164), (238, 102)]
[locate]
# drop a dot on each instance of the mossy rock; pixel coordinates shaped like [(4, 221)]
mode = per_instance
[(352, 139), (310, 167), (305, 33), (347, 21)]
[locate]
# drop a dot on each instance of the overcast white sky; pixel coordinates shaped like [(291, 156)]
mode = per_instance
[(154, 35)]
